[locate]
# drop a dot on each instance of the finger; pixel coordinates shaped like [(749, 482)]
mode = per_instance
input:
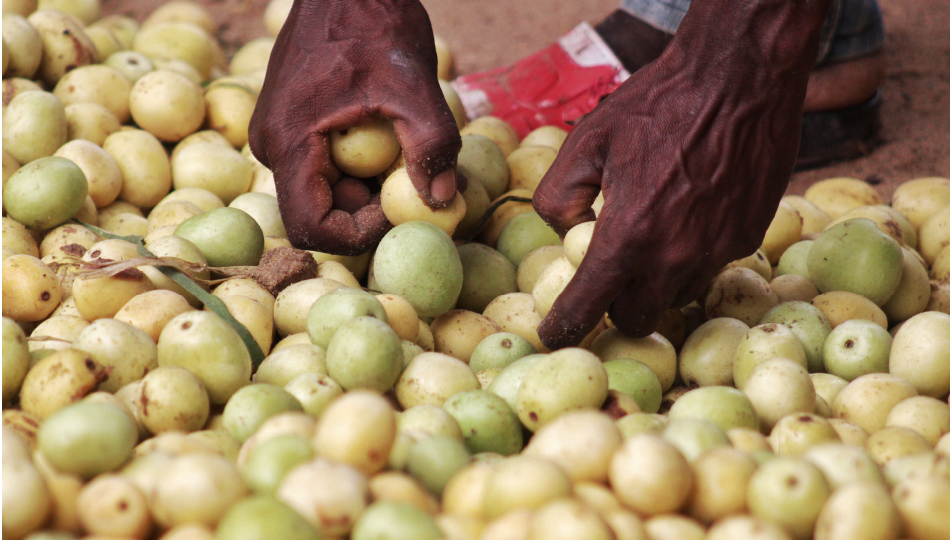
[(350, 194), (305, 200), (430, 142), (602, 274), (564, 196), (637, 310)]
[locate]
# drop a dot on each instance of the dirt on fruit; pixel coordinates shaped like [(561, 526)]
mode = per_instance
[(492, 33)]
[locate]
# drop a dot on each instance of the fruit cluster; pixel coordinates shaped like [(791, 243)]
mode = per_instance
[(404, 393)]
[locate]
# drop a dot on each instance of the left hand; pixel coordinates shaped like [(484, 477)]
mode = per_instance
[(693, 154)]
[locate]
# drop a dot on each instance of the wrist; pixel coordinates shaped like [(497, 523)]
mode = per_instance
[(772, 35)]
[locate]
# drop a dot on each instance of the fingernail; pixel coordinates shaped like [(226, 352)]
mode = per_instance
[(442, 189)]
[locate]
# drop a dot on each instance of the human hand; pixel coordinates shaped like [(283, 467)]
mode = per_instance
[(693, 154), (340, 64)]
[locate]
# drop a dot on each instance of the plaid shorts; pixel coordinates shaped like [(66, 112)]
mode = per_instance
[(854, 28)]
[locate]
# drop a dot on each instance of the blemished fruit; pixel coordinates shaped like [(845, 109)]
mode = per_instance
[(133, 410)]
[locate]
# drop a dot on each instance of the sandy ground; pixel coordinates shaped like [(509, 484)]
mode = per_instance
[(489, 33)]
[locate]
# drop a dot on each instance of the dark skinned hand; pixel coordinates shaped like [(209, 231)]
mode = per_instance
[(338, 64), (693, 154)]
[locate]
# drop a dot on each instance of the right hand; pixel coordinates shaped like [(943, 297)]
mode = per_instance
[(335, 65)]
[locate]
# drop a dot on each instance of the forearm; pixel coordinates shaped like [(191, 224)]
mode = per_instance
[(771, 37)]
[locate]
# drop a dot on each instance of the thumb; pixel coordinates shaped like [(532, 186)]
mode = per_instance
[(430, 143)]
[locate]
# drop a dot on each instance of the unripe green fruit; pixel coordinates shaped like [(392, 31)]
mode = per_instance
[(707, 355), (795, 259), (45, 193), (434, 460), (34, 126), (487, 422), (225, 236), (204, 344), (487, 274), (16, 358), (481, 159), (636, 380), (857, 347), (419, 262), (365, 353), (271, 460), (722, 405), (252, 405), (855, 256), (88, 438), (762, 343), (314, 391), (335, 308), (809, 325), (692, 436), (523, 234), (392, 520), (507, 383), (262, 517), (561, 381), (499, 350), (789, 492), (283, 365)]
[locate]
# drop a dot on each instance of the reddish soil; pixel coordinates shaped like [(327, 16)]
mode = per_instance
[(490, 33)]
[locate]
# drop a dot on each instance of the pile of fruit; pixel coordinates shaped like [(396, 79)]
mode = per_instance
[(159, 383)]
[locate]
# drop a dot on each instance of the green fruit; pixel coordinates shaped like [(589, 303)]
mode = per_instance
[(225, 236), (365, 353), (692, 436), (314, 391), (762, 343), (795, 259), (488, 423), (419, 262), (523, 234), (16, 358), (482, 160), (335, 308), (564, 380), (636, 380), (34, 126), (88, 438), (722, 405), (434, 460), (393, 520), (707, 354), (252, 405), (205, 345), (809, 325), (263, 518), (268, 463), (499, 350), (855, 256), (45, 193), (857, 347), (487, 274), (788, 492), (506, 384)]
